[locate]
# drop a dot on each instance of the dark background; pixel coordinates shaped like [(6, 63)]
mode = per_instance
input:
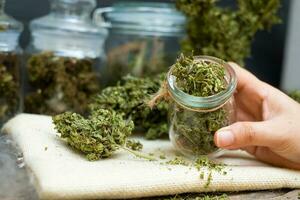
[(267, 49)]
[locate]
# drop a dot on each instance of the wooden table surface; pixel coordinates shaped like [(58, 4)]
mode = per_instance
[(281, 194)]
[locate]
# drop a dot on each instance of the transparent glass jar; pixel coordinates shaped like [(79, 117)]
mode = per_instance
[(194, 120), (10, 66), (144, 38), (64, 59)]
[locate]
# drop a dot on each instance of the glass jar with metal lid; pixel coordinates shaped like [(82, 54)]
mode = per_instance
[(64, 59), (144, 38), (10, 65)]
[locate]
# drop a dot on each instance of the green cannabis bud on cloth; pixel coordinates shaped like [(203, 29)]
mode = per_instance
[(129, 98), (135, 145), (97, 137)]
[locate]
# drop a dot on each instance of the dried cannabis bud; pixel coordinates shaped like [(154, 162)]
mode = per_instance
[(129, 97), (201, 163), (177, 161), (295, 95), (59, 84), (226, 33), (198, 77), (9, 85), (204, 162), (134, 145), (193, 131), (98, 136)]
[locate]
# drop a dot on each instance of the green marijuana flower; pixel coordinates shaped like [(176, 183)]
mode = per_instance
[(202, 164), (98, 136), (59, 84), (223, 32), (9, 85), (129, 97)]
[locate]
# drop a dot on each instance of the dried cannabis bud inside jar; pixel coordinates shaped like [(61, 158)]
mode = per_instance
[(58, 84), (10, 65), (99, 135), (9, 85), (201, 89), (129, 97)]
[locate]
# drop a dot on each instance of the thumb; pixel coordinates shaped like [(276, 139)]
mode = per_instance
[(243, 134)]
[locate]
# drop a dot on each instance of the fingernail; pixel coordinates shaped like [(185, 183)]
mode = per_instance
[(224, 138)]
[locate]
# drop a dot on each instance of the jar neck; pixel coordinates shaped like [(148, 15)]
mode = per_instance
[(77, 9), (203, 103)]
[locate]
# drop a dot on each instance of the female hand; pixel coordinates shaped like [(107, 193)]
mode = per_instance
[(268, 124)]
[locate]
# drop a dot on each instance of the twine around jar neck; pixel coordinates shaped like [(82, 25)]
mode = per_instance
[(164, 93)]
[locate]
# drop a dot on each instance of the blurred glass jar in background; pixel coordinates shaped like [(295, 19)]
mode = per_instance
[(144, 38), (10, 66), (64, 58)]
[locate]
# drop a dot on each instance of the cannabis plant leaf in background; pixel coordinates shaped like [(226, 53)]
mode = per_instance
[(226, 33)]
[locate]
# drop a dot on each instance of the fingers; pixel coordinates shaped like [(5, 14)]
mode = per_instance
[(243, 134), (247, 81), (244, 77), (266, 155), (250, 94)]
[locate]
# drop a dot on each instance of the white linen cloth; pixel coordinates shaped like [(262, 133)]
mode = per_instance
[(62, 173)]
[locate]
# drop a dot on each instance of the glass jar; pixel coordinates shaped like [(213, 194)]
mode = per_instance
[(10, 65), (64, 59), (144, 38), (194, 120)]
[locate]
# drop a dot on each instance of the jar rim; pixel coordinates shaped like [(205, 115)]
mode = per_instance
[(209, 102), (141, 16)]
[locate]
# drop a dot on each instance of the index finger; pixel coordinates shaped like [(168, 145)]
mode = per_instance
[(244, 77)]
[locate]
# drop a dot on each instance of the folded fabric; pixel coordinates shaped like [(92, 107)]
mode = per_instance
[(62, 173)]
